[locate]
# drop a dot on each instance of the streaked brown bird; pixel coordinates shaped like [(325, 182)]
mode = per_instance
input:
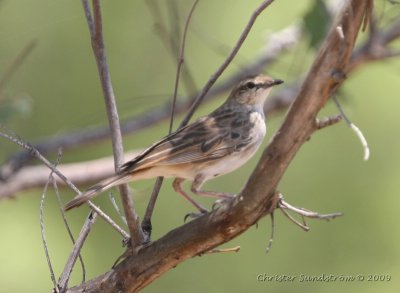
[(211, 146)]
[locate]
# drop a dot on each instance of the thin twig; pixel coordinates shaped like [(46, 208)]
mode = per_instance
[(307, 213), (17, 62), (64, 278), (223, 250), (116, 208), (272, 235), (356, 130), (328, 121), (289, 216), (60, 206), (146, 224), (94, 21), (157, 186), (180, 62), (43, 233), (174, 26)]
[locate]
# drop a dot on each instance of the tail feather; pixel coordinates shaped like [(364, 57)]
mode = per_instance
[(95, 190)]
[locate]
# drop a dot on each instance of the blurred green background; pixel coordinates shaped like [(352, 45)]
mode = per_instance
[(57, 90)]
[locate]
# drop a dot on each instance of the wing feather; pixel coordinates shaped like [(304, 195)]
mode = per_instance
[(210, 137)]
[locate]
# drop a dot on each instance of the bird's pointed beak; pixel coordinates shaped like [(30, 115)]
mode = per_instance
[(276, 82)]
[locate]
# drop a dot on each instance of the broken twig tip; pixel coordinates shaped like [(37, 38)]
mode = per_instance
[(362, 139)]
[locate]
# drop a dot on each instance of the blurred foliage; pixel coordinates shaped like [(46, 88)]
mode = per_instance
[(14, 106), (316, 22), (327, 175)]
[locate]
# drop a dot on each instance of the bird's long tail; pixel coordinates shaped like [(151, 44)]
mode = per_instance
[(95, 190)]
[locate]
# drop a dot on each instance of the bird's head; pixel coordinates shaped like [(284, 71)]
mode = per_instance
[(253, 90)]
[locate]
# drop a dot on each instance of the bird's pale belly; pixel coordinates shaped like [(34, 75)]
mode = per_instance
[(228, 164)]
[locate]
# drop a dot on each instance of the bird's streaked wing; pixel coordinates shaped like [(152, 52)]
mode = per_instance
[(208, 138)]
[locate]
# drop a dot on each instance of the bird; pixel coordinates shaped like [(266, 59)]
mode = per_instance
[(211, 146)]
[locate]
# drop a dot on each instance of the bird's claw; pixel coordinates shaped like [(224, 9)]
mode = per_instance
[(220, 202), (195, 215)]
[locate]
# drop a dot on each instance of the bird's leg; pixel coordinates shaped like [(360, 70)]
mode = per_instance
[(222, 196), (178, 188), (198, 182)]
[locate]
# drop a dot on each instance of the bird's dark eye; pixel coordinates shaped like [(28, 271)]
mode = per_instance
[(250, 85)]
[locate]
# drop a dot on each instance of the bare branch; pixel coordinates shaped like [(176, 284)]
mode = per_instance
[(81, 173), (95, 28), (328, 121), (180, 62), (377, 46)]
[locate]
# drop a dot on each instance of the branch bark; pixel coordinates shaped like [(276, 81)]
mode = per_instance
[(259, 195)]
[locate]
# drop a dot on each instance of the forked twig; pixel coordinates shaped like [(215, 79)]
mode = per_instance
[(304, 213), (64, 278)]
